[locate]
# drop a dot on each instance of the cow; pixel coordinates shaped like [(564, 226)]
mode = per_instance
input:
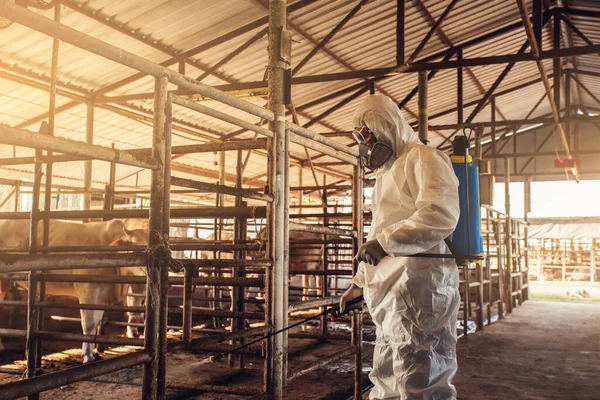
[(302, 258), (114, 232), (208, 254)]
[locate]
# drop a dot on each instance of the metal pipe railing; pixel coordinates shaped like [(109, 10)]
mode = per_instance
[(294, 226), (52, 380), (321, 362), (222, 116), (297, 129), (45, 262), (222, 189), (191, 212), (24, 138)]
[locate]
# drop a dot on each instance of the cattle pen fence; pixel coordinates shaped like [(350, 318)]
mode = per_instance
[(272, 269)]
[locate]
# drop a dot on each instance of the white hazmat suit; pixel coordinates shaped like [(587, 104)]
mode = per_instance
[(413, 301)]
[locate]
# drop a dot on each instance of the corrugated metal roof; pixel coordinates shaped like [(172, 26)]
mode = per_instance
[(167, 28)]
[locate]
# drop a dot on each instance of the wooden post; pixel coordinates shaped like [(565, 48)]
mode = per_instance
[(563, 261), (500, 269), (479, 272), (508, 236), (325, 256), (593, 261), (17, 196)]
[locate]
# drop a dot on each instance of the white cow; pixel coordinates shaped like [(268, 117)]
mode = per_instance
[(15, 234)]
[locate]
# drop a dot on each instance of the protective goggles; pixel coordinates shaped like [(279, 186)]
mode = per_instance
[(363, 135), (375, 152)]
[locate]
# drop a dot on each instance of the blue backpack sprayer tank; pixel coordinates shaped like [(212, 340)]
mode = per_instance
[(467, 235)]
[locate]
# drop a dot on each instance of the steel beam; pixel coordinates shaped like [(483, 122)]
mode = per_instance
[(44, 382), (278, 276), (556, 67), (259, 35), (423, 107), (329, 36), (400, 24), (536, 50), (432, 30), (20, 137), (212, 188), (489, 92)]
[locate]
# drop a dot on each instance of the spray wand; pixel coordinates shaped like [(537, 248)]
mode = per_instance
[(335, 314)]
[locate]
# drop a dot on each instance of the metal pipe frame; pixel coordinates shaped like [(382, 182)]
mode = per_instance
[(155, 338), (204, 212), (276, 364), (294, 226), (23, 138), (221, 189), (538, 54), (222, 116), (19, 263), (323, 361), (103, 49), (44, 382)]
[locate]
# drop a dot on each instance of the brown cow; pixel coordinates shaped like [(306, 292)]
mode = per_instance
[(302, 258)]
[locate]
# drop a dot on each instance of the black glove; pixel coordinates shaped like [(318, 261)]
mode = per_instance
[(371, 252)]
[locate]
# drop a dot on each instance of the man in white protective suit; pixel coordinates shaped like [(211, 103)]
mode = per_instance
[(413, 301)]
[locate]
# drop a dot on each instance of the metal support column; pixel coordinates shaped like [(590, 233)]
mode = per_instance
[(423, 106), (400, 18), (87, 165), (277, 69), (527, 210), (357, 212), (556, 62), (31, 347), (325, 258), (154, 380), (357, 342), (459, 90)]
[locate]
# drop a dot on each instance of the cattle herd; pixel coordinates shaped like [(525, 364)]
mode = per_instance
[(15, 235)]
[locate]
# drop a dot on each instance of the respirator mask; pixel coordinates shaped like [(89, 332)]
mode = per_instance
[(374, 151)]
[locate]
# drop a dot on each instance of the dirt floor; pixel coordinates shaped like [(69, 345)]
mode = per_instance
[(544, 350)]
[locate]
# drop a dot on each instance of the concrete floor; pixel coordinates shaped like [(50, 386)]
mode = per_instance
[(544, 350)]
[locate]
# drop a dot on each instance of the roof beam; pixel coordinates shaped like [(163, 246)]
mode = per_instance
[(206, 46), (446, 40), (329, 36), (489, 93), (107, 20), (400, 22), (535, 49), (434, 29), (588, 91), (568, 34), (259, 35), (129, 111), (497, 94)]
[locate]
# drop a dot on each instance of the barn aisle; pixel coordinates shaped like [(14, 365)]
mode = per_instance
[(544, 350)]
